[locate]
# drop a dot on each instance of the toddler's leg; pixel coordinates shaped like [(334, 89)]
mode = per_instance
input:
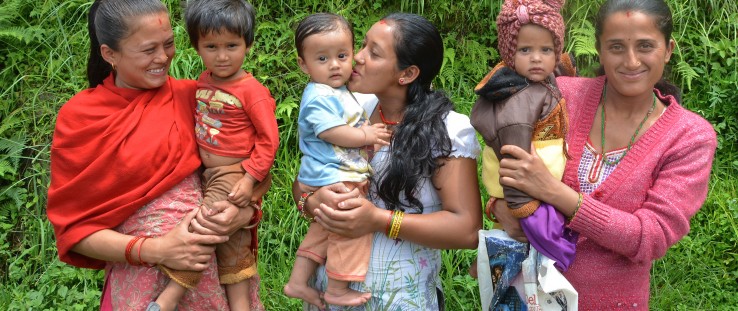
[(347, 261), (238, 296), (236, 264), (338, 293), (170, 297), (310, 254), (297, 286)]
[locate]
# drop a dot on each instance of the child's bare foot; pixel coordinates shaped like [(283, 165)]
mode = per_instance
[(304, 292), (346, 297)]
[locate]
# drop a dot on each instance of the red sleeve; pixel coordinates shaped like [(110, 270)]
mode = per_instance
[(264, 120)]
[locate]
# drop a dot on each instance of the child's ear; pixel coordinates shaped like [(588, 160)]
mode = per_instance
[(409, 74), (302, 65)]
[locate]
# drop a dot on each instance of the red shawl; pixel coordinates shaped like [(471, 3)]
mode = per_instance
[(114, 150)]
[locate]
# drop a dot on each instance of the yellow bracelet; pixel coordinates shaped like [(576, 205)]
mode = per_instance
[(576, 209), (396, 222), (394, 230)]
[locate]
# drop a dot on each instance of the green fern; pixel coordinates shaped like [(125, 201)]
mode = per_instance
[(10, 155), (686, 73), (582, 40), (9, 10)]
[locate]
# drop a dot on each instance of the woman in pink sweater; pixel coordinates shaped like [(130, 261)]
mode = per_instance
[(639, 166)]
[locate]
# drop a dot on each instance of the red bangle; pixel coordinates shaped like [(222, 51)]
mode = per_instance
[(129, 248), (140, 261)]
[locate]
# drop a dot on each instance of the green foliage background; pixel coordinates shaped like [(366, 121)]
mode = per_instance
[(43, 52)]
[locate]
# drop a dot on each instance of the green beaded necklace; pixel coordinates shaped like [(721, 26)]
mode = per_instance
[(632, 139)]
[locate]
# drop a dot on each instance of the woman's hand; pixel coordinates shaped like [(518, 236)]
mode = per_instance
[(182, 250), (351, 218), (230, 219), (526, 172), (330, 194), (509, 223)]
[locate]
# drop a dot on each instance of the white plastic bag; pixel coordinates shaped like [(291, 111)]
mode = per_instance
[(506, 267)]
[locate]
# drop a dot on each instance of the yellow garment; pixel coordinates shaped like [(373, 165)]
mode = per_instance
[(550, 151)]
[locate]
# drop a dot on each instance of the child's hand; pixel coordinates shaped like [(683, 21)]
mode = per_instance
[(242, 190), (376, 134)]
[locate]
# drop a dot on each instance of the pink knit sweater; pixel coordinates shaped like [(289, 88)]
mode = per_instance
[(642, 208)]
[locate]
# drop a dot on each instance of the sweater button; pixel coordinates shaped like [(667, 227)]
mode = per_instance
[(635, 305), (620, 304), (597, 195)]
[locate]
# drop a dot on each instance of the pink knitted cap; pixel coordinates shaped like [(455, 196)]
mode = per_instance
[(516, 13)]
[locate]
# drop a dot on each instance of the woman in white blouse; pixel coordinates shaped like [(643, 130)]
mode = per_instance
[(424, 195)]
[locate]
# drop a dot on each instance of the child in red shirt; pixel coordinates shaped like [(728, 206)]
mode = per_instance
[(236, 131)]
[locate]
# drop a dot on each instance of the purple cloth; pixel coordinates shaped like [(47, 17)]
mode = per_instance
[(546, 231)]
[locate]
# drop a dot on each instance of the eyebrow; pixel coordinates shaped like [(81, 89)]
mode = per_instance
[(619, 40), (155, 42)]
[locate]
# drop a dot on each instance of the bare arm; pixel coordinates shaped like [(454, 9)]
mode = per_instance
[(178, 249), (457, 224), (351, 137)]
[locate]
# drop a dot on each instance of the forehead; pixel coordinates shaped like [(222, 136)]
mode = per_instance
[(150, 23), (533, 32), (381, 34), (338, 39), (630, 25), (220, 34)]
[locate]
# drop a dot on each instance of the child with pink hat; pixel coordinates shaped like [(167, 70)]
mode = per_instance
[(519, 103)]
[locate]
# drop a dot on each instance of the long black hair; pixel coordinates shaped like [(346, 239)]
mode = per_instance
[(108, 23), (421, 138), (661, 14)]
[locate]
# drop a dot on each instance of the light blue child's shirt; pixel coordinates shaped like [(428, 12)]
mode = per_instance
[(322, 108)]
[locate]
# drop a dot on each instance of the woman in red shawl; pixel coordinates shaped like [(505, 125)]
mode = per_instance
[(124, 166)]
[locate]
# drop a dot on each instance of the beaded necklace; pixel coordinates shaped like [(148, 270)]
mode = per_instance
[(381, 116), (632, 139)]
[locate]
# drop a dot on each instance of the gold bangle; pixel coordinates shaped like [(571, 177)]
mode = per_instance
[(396, 223), (576, 208)]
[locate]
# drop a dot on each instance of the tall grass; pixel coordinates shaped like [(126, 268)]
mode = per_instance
[(43, 51)]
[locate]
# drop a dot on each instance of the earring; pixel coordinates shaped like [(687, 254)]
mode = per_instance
[(402, 81), (114, 67)]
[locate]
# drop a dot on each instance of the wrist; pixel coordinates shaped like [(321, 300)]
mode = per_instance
[(580, 201), (149, 251), (302, 205), (255, 217), (363, 130)]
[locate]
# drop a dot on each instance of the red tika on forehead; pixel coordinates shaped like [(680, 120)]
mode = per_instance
[(381, 21)]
